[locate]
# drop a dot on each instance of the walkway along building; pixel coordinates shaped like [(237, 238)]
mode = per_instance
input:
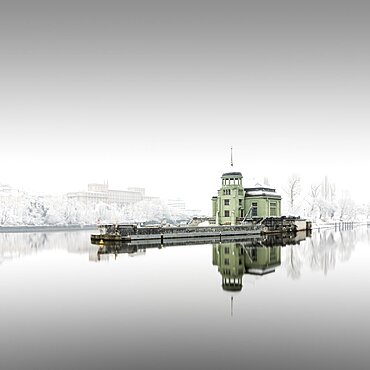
[(234, 203)]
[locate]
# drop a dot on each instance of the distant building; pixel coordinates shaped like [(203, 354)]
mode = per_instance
[(8, 191), (101, 193), (233, 202), (177, 205)]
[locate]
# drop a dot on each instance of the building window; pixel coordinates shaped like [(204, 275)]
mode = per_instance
[(272, 254), (240, 202), (253, 254), (227, 262), (227, 202), (254, 209), (273, 209), (227, 213), (227, 250)]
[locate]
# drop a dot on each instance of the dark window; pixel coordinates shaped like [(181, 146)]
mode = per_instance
[(273, 209), (227, 202), (227, 262), (254, 254), (227, 213), (254, 209), (227, 250)]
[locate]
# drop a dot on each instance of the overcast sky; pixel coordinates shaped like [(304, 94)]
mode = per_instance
[(154, 93)]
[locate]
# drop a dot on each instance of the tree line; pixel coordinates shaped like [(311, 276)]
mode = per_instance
[(322, 201)]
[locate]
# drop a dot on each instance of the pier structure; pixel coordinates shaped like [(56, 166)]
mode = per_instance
[(257, 226), (139, 246)]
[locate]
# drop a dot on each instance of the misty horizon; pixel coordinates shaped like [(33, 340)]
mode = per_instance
[(154, 93)]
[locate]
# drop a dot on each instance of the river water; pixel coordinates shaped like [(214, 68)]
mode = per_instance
[(67, 305)]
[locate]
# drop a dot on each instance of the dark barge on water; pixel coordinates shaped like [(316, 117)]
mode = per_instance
[(253, 227)]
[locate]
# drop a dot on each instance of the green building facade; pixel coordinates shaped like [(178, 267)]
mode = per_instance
[(234, 203)]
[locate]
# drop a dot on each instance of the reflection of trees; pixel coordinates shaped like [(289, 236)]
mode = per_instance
[(322, 250), (17, 245), (293, 262)]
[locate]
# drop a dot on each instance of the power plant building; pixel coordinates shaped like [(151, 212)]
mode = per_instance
[(234, 203)]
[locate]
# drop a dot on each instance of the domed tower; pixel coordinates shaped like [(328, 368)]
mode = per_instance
[(228, 206)]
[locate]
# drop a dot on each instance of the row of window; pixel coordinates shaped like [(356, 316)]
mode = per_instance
[(227, 202), (227, 261), (227, 251), (231, 182), (254, 213), (227, 213), (228, 272), (228, 192)]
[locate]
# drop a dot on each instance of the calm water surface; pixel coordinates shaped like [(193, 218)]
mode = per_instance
[(214, 306)]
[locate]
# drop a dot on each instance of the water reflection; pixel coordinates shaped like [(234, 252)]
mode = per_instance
[(323, 249), (319, 252), (255, 257), (62, 311), (236, 259), (18, 245)]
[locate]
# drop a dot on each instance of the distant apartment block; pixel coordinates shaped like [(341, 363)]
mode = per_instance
[(8, 191), (178, 206), (101, 193)]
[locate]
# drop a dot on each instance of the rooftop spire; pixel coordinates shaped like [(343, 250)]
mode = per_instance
[(232, 164)]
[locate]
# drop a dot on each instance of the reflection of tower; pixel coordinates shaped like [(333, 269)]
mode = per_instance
[(229, 258), (236, 259)]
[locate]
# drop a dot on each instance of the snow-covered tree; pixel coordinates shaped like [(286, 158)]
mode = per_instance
[(293, 190)]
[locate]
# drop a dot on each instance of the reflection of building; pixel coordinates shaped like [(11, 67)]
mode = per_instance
[(233, 202), (236, 259), (101, 193)]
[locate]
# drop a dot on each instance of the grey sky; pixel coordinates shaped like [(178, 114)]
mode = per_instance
[(153, 93)]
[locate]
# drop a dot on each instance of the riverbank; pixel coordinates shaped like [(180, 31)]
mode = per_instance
[(340, 225), (45, 228)]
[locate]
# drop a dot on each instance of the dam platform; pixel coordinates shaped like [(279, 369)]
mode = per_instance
[(114, 233)]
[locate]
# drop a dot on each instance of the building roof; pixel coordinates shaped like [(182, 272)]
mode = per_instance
[(255, 185), (262, 192), (232, 174)]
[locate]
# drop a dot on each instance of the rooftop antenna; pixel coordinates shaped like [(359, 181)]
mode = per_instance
[(232, 164)]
